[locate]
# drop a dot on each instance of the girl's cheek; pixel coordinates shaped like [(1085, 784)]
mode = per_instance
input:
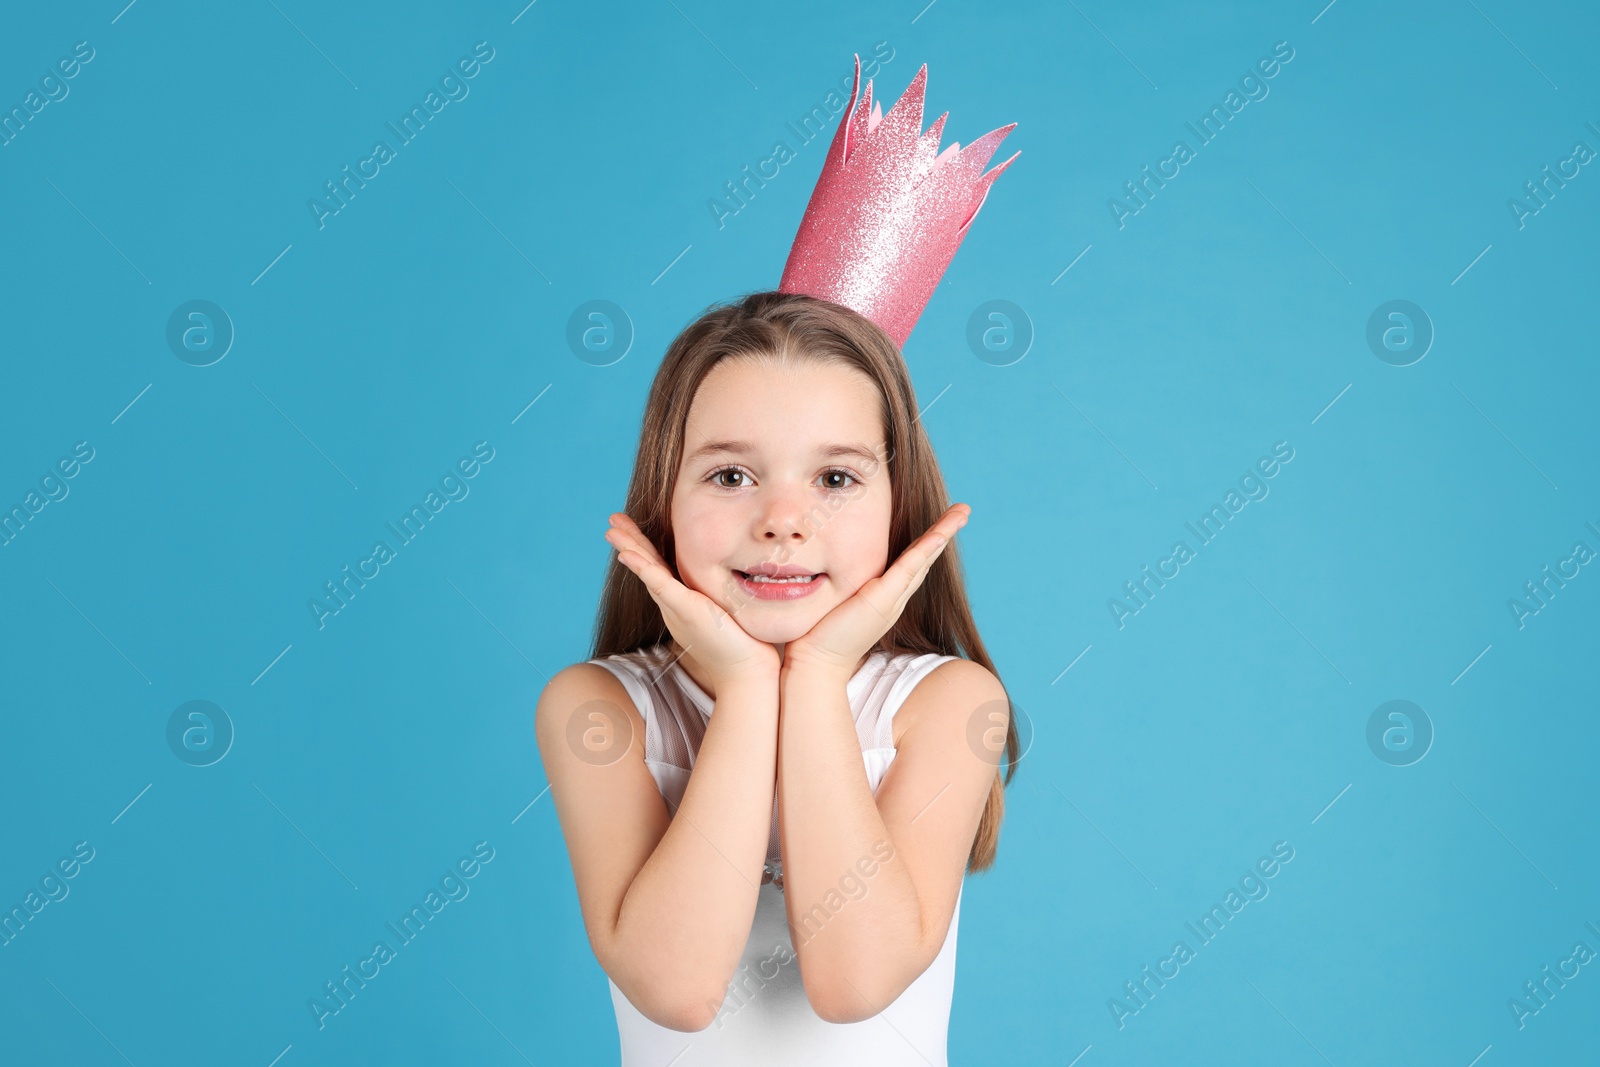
[(705, 583)]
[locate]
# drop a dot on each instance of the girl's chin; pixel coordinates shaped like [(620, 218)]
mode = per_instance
[(776, 623), (782, 637)]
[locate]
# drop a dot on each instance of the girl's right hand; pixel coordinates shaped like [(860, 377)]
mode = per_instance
[(699, 624)]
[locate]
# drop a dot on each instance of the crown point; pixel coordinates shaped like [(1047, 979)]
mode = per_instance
[(877, 236), (977, 154), (995, 171), (919, 87), (904, 121)]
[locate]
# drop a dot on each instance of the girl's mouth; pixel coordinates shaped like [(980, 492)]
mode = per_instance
[(762, 587)]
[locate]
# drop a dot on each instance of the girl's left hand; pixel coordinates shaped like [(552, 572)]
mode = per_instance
[(841, 637)]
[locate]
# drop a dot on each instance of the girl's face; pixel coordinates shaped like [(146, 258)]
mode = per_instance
[(782, 466)]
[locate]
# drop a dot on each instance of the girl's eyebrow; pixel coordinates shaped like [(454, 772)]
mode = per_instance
[(859, 451), (745, 447)]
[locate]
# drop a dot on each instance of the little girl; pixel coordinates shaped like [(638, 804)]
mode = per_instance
[(756, 640), (784, 752)]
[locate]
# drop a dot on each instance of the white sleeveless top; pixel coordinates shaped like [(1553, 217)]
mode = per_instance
[(766, 1019)]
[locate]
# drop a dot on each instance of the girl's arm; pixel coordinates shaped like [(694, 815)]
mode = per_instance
[(863, 928), (668, 899)]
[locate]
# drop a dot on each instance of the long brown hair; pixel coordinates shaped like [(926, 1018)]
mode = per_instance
[(790, 326)]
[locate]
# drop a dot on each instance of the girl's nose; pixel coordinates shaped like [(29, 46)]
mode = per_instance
[(786, 514)]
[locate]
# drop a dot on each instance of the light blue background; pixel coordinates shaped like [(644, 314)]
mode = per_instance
[(428, 314)]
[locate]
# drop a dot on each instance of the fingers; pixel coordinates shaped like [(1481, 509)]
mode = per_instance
[(907, 572), (953, 519), (694, 619), (920, 554), (906, 575), (677, 601), (656, 578), (635, 552), (625, 534)]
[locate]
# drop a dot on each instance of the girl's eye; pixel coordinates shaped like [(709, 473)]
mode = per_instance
[(717, 476), (839, 473), (843, 482)]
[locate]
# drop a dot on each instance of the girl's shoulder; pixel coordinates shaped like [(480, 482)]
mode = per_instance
[(952, 690), (656, 656), (642, 662), (578, 693), (924, 665)]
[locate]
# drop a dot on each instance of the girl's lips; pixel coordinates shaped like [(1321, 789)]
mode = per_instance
[(777, 590)]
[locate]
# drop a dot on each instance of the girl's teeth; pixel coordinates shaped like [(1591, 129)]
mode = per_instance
[(763, 578)]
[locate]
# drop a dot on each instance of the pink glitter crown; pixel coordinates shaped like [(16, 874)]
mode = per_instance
[(889, 210)]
